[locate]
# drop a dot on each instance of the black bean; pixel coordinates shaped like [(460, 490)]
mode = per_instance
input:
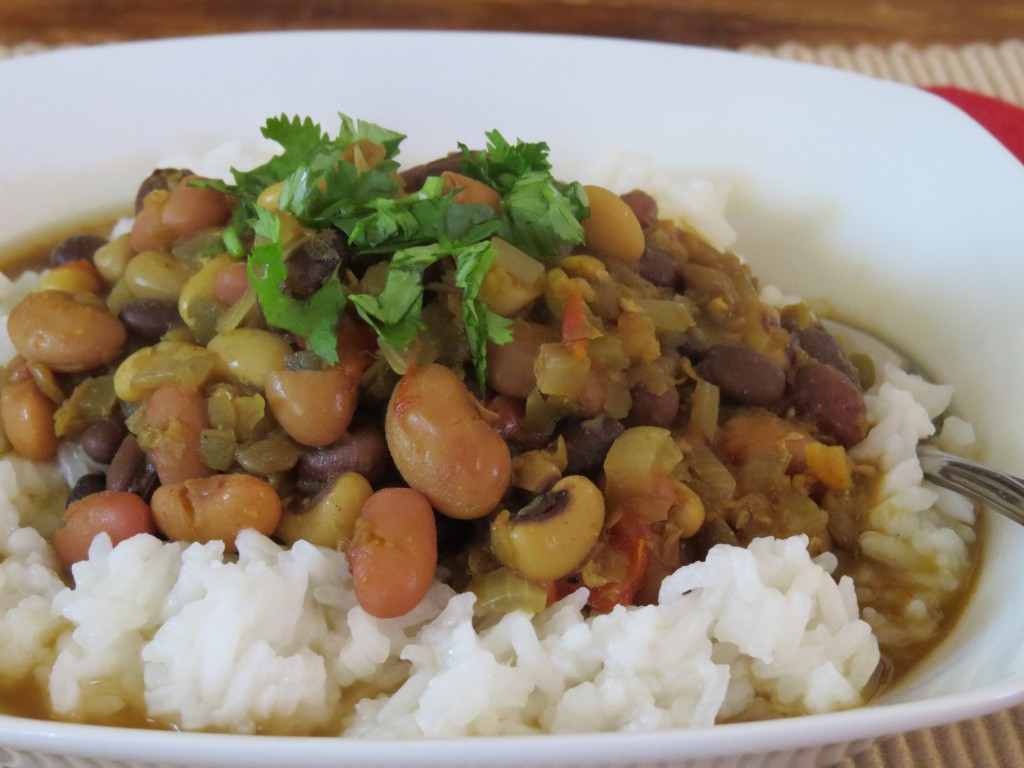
[(659, 267), (76, 248), (820, 344), (653, 410), (833, 402), (363, 450), (645, 207), (87, 485), (131, 471), (744, 376), (101, 439), (161, 178), (149, 319), (587, 443)]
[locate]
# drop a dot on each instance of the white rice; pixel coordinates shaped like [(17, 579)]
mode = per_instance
[(273, 640)]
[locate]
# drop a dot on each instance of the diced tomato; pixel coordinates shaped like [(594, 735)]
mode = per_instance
[(624, 554)]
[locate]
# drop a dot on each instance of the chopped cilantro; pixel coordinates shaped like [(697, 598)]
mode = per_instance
[(323, 189)]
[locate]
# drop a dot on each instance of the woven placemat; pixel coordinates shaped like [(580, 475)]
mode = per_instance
[(993, 70)]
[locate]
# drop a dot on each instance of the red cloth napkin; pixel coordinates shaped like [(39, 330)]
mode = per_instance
[(1004, 121)]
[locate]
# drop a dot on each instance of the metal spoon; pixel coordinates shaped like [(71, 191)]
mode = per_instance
[(1002, 492)]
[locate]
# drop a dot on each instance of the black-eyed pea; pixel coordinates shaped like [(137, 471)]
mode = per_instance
[(68, 333), (552, 535), (166, 362), (687, 510), (216, 508), (156, 275), (250, 355), (612, 229), (28, 420), (329, 519), (112, 259)]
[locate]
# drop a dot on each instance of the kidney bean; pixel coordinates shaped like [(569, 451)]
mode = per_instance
[(149, 319), (653, 410), (744, 376), (509, 413), (832, 401), (510, 366), (130, 470), (645, 207), (86, 485), (68, 333), (119, 515), (77, 247), (363, 450), (659, 267), (101, 439), (820, 344), (587, 443)]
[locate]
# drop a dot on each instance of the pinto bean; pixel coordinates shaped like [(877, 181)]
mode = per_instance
[(587, 443), (314, 407), (190, 209), (442, 446), (216, 508), (68, 333), (510, 366), (744, 376), (173, 418), (832, 401), (161, 178), (27, 416), (77, 247), (393, 552), (119, 515)]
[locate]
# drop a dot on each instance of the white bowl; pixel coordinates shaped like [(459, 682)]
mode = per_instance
[(893, 205)]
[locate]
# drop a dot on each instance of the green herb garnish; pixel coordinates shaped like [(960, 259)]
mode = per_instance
[(322, 190)]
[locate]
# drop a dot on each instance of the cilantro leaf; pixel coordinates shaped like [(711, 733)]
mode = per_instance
[(482, 325), (502, 163), (314, 319)]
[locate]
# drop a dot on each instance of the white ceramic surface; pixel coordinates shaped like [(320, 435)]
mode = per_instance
[(885, 200)]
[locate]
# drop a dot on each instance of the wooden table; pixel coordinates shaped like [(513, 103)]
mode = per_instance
[(723, 23)]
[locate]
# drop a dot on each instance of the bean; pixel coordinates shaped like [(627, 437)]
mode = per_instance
[(659, 267), (250, 355), (190, 209), (329, 519), (645, 207), (162, 179), (393, 552), (415, 176), (101, 439), (612, 229), (68, 333), (442, 446), (231, 282), (832, 401), (119, 515), (819, 344), (363, 450), (156, 275), (314, 407), (216, 508), (651, 409), (130, 470), (86, 485), (112, 259), (510, 366), (76, 247), (744, 376), (509, 416), (587, 443), (471, 191), (175, 416), (27, 416), (73, 277), (149, 319), (313, 261), (148, 232)]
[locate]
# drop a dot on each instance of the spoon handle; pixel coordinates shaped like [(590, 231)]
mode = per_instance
[(1004, 493)]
